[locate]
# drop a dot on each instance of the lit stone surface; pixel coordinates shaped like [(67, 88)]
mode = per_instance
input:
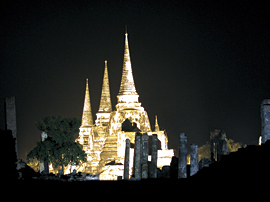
[(105, 100), (127, 86), (156, 124), (105, 107), (87, 119), (104, 142)]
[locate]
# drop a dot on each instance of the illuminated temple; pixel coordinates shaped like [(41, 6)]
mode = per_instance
[(104, 140)]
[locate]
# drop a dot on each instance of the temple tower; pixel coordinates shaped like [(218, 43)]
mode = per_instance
[(156, 124), (85, 135), (105, 107), (127, 92), (104, 142), (128, 105), (87, 118)]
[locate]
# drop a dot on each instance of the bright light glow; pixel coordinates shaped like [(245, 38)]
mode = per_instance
[(128, 98)]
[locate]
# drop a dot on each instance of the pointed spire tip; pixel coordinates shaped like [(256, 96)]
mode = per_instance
[(127, 86), (105, 100), (156, 124), (87, 119)]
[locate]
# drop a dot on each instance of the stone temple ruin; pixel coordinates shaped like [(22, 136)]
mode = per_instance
[(218, 144), (144, 161), (120, 143), (104, 139), (144, 169)]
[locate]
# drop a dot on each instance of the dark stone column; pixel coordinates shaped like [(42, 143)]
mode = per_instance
[(11, 123), (182, 161), (265, 120), (137, 157), (126, 164), (11, 116), (153, 168), (213, 151), (222, 145), (144, 156), (194, 159), (165, 172), (218, 144), (44, 166)]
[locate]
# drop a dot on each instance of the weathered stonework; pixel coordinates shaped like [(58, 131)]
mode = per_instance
[(126, 165), (265, 120), (43, 165), (11, 122), (218, 143), (153, 165), (137, 157), (144, 157), (11, 116), (182, 160), (194, 159)]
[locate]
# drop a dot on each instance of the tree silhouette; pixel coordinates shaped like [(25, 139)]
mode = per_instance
[(60, 148)]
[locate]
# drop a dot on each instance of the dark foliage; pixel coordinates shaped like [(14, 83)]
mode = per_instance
[(60, 147)]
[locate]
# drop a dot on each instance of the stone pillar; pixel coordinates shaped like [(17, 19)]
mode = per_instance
[(44, 166), (182, 161), (126, 164), (218, 142), (144, 156), (11, 116), (137, 157), (41, 166), (73, 168), (153, 168), (194, 159), (265, 120), (213, 153), (213, 144), (11, 124), (223, 150)]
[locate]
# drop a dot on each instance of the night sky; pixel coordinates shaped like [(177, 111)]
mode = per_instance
[(197, 65)]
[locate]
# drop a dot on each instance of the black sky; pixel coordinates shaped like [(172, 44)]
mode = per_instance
[(198, 65)]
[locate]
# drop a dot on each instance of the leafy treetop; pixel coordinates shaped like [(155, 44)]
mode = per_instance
[(60, 147)]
